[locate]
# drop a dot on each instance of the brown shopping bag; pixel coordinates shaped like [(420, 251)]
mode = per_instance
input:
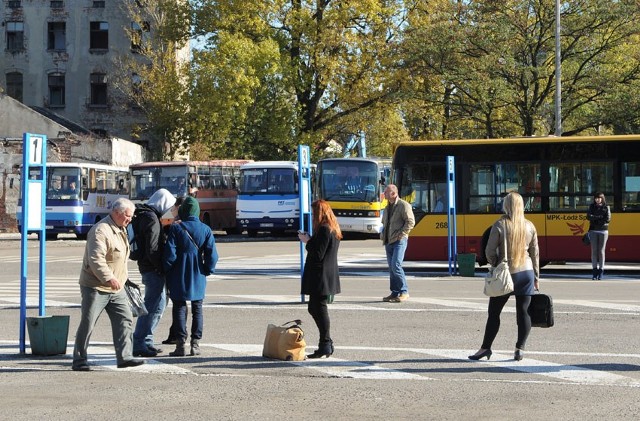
[(285, 342)]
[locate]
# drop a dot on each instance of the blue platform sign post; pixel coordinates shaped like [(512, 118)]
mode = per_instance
[(304, 183), (33, 189), (452, 234)]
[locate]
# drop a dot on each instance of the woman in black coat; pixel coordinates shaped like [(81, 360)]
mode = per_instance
[(599, 216), (321, 278)]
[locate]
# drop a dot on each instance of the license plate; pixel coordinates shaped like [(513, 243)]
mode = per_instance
[(266, 225)]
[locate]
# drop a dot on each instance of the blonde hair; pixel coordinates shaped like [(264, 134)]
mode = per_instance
[(513, 208), (323, 215)]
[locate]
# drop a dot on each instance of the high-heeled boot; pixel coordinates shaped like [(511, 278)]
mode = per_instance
[(600, 273), (195, 347), (596, 272), (518, 355), (179, 352), (325, 349)]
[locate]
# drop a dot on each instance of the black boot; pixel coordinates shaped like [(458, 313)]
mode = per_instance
[(179, 352), (600, 273), (325, 349), (596, 272), (195, 347)]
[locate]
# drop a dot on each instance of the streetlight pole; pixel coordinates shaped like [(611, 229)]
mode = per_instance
[(558, 99)]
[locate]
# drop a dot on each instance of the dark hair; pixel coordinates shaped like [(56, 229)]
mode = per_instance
[(601, 195)]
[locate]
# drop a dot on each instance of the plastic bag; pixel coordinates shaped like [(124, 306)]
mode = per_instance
[(135, 299)]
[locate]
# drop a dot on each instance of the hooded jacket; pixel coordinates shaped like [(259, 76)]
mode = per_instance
[(190, 254), (148, 229)]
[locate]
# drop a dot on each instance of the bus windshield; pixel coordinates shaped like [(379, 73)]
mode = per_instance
[(268, 180), (349, 181), (145, 181), (63, 183)]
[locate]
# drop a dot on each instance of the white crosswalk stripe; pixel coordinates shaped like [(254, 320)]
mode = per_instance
[(101, 356)]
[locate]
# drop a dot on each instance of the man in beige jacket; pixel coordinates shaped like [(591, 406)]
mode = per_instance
[(398, 221), (102, 278)]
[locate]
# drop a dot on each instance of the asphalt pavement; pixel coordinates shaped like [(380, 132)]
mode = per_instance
[(392, 360)]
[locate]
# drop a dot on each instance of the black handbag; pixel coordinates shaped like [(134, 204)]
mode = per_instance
[(586, 239), (541, 310)]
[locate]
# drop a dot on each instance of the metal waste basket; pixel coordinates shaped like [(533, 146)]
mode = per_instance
[(467, 264), (48, 334)]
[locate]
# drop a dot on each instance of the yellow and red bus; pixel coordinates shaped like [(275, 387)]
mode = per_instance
[(213, 183), (557, 178)]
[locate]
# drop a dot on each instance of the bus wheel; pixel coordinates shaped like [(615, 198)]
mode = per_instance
[(206, 219), (252, 233), (233, 231), (51, 236), (81, 236)]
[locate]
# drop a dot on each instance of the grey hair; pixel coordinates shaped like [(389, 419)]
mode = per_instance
[(122, 204)]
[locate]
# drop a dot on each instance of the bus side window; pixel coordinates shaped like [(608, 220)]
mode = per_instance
[(93, 184)]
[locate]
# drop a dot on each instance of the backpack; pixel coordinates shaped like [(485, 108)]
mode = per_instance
[(136, 249), (135, 252)]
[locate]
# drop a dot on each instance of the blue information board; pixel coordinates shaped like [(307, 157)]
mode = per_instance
[(304, 181), (33, 190)]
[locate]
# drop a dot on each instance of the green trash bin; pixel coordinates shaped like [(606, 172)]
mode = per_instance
[(467, 264), (48, 334)]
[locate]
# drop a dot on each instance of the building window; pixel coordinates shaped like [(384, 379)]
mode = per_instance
[(56, 90), (14, 4), (57, 4), (57, 36), (15, 36), (14, 85), (98, 90), (98, 4), (99, 36), (139, 35)]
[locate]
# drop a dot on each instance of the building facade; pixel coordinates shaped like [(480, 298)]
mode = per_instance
[(62, 55)]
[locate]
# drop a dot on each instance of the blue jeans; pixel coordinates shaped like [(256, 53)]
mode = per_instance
[(180, 319), (155, 300), (119, 311), (395, 256)]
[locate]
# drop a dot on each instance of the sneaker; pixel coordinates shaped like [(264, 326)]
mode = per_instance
[(400, 298), (389, 298)]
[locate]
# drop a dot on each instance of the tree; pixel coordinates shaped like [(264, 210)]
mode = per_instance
[(490, 66), (316, 64), (155, 79)]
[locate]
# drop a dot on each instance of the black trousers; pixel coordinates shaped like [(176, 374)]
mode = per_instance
[(318, 310), (496, 304)]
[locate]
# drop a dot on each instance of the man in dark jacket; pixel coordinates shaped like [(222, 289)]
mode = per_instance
[(150, 240)]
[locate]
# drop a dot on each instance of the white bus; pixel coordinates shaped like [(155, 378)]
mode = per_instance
[(269, 198), (79, 195)]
